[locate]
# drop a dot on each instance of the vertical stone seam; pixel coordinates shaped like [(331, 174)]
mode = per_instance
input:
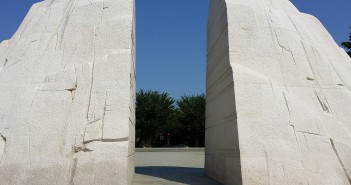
[(340, 161)]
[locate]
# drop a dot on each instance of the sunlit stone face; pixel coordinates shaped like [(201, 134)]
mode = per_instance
[(67, 90), (278, 97)]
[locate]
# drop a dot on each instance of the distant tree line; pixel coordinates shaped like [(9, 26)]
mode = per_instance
[(162, 121), (347, 45)]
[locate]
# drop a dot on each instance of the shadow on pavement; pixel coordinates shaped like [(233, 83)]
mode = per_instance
[(184, 175)]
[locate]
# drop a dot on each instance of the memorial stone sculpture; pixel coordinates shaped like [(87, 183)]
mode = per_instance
[(67, 91), (278, 97)]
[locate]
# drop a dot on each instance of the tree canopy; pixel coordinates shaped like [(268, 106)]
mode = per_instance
[(347, 45), (190, 113), (154, 111), (162, 121)]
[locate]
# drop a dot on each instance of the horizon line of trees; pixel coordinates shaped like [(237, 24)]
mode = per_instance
[(162, 121)]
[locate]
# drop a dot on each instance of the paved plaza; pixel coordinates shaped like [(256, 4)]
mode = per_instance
[(171, 166)]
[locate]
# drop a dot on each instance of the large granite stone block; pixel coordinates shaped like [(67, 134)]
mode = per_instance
[(67, 91), (278, 97)]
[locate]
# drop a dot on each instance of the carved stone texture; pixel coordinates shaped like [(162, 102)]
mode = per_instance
[(67, 91), (278, 97)]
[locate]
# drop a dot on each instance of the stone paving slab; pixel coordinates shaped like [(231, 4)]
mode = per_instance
[(171, 167)]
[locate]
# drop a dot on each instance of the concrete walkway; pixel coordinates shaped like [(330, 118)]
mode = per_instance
[(171, 166)]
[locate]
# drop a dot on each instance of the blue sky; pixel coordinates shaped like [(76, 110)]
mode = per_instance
[(171, 38)]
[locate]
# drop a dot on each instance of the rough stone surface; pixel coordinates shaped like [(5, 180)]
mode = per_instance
[(67, 92), (278, 97)]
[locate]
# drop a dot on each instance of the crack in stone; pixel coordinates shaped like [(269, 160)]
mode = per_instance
[(103, 116), (267, 162), (6, 60), (3, 137), (2, 151), (73, 169), (310, 79), (81, 149), (283, 47), (324, 107), (94, 121), (72, 91), (293, 127), (342, 81), (340, 161), (304, 132), (90, 91), (287, 103), (106, 140)]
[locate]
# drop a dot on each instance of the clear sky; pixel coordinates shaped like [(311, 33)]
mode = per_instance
[(171, 37)]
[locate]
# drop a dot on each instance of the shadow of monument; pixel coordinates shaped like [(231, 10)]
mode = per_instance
[(184, 175)]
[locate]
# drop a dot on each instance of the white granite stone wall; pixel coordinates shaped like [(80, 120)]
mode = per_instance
[(67, 92), (278, 97)]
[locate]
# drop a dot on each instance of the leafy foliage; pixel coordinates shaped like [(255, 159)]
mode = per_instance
[(347, 45), (160, 123), (190, 113), (154, 111)]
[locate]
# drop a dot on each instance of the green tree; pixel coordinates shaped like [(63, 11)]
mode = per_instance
[(190, 114), (154, 111), (347, 45)]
